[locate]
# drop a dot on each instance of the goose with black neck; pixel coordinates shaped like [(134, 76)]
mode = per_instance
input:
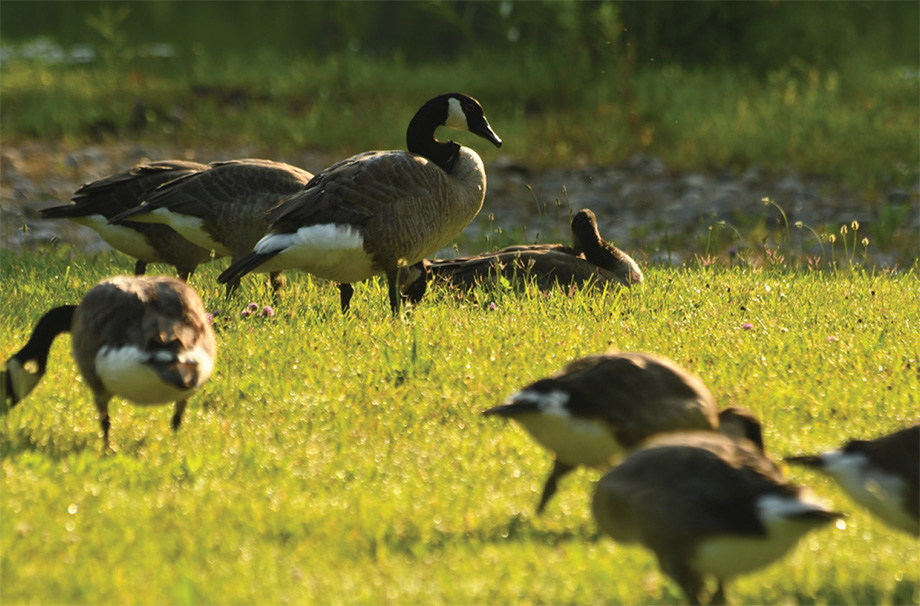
[(380, 211)]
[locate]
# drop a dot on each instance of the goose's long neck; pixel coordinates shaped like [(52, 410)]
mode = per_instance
[(27, 366), (601, 253), (53, 323), (420, 140)]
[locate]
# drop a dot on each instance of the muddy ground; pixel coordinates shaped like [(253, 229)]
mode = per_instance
[(636, 201)]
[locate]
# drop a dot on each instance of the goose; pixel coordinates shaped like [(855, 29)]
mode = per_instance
[(94, 203), (146, 339), (707, 505), (223, 207), (599, 407), (590, 260), (882, 475), (380, 211)]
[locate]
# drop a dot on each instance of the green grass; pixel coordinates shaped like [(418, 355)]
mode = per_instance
[(858, 123), (342, 460)]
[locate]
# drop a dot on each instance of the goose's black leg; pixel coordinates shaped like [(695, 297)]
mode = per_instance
[(549, 489), (276, 279), (688, 580), (345, 293), (718, 598), (102, 405), (232, 285), (393, 290), (140, 268), (177, 415)]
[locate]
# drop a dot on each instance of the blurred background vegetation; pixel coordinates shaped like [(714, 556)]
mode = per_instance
[(829, 87)]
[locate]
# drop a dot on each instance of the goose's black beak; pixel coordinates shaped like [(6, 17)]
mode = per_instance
[(485, 131)]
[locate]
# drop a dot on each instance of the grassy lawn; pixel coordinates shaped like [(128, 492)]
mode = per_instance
[(342, 460)]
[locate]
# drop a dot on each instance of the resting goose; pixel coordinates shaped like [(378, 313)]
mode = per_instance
[(707, 505), (93, 204), (882, 475), (222, 208), (145, 339), (599, 407), (380, 211), (590, 260)]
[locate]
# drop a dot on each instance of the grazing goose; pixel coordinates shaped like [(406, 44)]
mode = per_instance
[(146, 339), (380, 211), (706, 505), (222, 208), (599, 407), (590, 259), (882, 475), (93, 204)]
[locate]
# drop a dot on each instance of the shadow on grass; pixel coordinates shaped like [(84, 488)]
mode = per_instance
[(905, 591), (48, 445), (519, 529)]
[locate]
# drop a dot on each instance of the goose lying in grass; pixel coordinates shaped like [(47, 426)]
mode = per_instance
[(882, 475), (589, 260), (599, 407), (380, 211), (93, 204), (145, 339), (707, 505), (222, 208)]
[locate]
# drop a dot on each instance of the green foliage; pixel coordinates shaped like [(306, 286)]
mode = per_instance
[(759, 36), (343, 460), (565, 84)]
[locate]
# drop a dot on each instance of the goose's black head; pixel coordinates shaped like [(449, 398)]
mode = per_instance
[(741, 423), (584, 229), (453, 110)]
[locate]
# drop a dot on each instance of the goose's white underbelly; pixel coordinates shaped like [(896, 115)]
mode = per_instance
[(879, 492), (124, 373), (189, 227), (120, 237), (330, 251), (575, 440), (729, 555)]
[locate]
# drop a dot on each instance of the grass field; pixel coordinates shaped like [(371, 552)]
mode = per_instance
[(343, 460)]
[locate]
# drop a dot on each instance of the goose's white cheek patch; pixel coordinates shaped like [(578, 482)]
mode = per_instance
[(204, 361), (880, 492), (24, 377), (329, 251), (456, 118), (120, 237), (124, 373)]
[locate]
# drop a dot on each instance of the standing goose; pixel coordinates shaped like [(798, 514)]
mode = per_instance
[(599, 407), (380, 211), (707, 505), (93, 204), (222, 208), (145, 339), (590, 260), (882, 475)]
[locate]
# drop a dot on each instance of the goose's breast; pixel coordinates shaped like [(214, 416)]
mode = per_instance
[(136, 375)]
